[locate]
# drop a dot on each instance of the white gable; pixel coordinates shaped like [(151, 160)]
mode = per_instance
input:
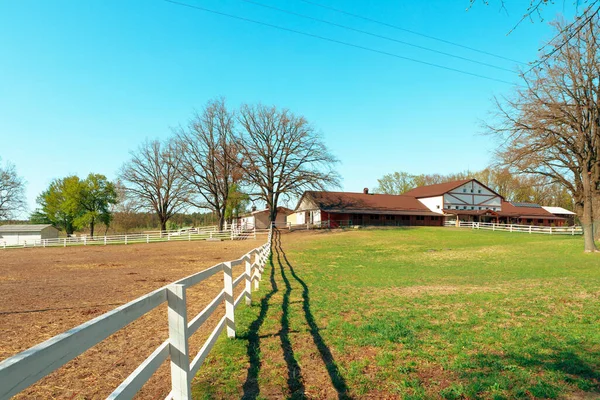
[(472, 196)]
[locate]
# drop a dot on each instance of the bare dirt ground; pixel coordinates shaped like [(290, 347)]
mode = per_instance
[(44, 292)]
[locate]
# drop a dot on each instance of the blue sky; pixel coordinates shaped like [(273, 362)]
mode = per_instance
[(84, 82)]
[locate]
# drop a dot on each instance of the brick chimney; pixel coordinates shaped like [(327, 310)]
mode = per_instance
[(366, 190)]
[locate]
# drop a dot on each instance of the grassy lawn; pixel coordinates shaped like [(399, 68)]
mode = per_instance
[(416, 314)]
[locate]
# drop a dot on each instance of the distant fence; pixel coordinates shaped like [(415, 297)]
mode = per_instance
[(24, 369), (549, 230), (201, 233)]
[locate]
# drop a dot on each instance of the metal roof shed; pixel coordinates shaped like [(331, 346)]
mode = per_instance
[(13, 235)]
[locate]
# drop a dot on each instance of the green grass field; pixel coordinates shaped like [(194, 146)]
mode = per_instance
[(416, 314)]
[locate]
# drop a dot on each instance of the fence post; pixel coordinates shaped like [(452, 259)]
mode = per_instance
[(65, 243), (147, 238), (125, 239), (189, 235), (573, 231), (551, 230), (257, 273), (85, 240), (229, 306), (510, 228), (178, 342), (529, 228), (231, 235), (105, 240), (248, 282)]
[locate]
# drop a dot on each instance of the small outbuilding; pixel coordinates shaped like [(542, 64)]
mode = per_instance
[(260, 219), (12, 235)]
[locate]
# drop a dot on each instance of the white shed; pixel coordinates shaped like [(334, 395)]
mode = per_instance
[(26, 234)]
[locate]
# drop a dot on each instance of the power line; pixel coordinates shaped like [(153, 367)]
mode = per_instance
[(411, 31), (337, 41), (377, 35)]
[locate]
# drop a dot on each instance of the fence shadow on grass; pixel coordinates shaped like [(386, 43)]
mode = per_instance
[(251, 388), (338, 381), (295, 383)]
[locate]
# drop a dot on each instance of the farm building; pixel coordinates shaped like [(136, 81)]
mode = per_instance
[(562, 212), (466, 200), (343, 209), (26, 234), (259, 219)]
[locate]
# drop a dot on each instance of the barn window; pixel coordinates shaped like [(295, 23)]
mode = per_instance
[(390, 217), (479, 191), (373, 216), (420, 218), (464, 190)]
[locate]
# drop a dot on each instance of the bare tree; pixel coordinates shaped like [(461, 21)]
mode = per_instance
[(282, 155), (12, 192), (551, 126), (152, 177), (209, 158)]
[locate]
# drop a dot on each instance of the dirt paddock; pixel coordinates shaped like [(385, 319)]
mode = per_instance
[(44, 292)]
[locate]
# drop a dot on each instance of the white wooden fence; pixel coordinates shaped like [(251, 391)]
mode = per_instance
[(26, 368), (549, 230), (202, 233)]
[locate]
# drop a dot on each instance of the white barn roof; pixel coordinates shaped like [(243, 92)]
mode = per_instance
[(558, 210), (23, 228)]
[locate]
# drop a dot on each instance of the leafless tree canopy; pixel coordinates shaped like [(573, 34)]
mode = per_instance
[(282, 155), (12, 192), (551, 127), (208, 158), (153, 180)]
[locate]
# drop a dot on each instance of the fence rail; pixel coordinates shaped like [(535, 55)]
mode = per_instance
[(549, 230), (24, 369), (202, 233)]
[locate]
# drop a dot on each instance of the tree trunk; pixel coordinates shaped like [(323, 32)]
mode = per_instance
[(587, 217), (596, 214), (92, 228), (220, 221), (273, 215), (163, 224)]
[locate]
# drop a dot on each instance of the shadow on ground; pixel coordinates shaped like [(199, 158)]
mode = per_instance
[(279, 263)]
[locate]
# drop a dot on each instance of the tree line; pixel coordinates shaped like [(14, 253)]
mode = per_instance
[(221, 161), (224, 158), (513, 187)]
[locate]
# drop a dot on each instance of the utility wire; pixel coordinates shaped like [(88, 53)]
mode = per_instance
[(377, 35), (411, 32), (337, 41)]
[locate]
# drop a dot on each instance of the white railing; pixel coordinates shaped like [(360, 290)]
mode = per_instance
[(550, 230), (24, 369), (312, 225), (202, 233)]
